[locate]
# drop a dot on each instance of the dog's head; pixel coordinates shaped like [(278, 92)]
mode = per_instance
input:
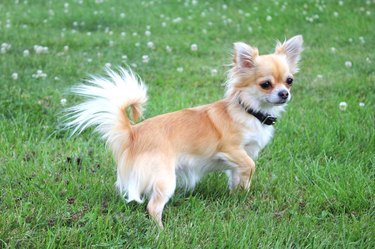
[(264, 81)]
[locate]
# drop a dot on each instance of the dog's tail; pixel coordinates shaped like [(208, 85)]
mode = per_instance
[(108, 102)]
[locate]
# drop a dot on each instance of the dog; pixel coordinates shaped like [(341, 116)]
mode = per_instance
[(227, 135)]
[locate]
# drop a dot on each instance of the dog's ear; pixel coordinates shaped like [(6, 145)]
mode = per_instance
[(244, 55), (292, 48)]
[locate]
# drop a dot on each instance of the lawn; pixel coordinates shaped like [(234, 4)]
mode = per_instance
[(314, 185)]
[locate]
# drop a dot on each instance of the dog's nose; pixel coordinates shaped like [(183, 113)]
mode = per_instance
[(284, 94)]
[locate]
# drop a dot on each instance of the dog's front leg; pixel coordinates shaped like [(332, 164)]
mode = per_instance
[(243, 168)]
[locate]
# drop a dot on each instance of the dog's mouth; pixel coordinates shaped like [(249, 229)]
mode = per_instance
[(280, 102)]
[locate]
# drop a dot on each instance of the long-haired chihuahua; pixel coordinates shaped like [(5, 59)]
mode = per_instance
[(155, 154)]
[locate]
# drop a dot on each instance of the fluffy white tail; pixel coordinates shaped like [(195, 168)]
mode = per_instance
[(107, 101)]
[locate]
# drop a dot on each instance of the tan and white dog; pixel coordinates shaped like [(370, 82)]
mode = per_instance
[(185, 145)]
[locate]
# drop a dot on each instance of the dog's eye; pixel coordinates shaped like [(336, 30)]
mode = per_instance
[(289, 80), (266, 84)]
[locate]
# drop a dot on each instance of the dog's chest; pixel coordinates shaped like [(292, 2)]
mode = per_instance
[(255, 138)]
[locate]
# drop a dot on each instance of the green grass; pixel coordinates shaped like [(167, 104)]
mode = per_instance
[(314, 185)]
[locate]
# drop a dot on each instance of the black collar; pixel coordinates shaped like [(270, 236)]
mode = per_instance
[(264, 118)]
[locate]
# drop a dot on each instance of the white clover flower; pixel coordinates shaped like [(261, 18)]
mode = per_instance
[(368, 60), (111, 43), (194, 47), (3, 50), (124, 57), (224, 6), (26, 53), (343, 106), (137, 44), (66, 5), (309, 19), (335, 14), (147, 33), (341, 3), (362, 39), (134, 34), (56, 78), (250, 29), (88, 33), (39, 74), (145, 59), (63, 101), (15, 76), (180, 69), (89, 60), (361, 104), (348, 64), (213, 71), (133, 65), (269, 18), (5, 47), (122, 15), (228, 21), (163, 24), (150, 45), (123, 34), (319, 77), (333, 50), (66, 48), (40, 49), (169, 49), (108, 65), (177, 20)]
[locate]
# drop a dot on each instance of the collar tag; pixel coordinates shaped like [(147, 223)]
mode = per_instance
[(269, 120)]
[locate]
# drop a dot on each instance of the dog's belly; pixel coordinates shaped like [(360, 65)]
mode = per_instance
[(190, 169)]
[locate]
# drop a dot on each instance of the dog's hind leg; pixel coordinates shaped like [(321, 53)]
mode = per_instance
[(163, 188)]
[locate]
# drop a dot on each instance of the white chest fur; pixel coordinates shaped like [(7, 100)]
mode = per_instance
[(256, 136)]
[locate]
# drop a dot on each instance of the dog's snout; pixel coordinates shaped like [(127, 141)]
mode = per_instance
[(284, 94)]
